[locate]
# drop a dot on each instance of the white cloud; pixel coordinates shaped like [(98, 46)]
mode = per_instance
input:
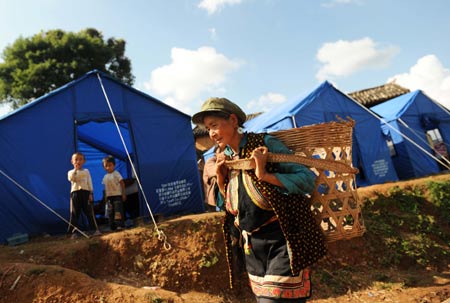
[(191, 73), (430, 76), (213, 6), (334, 3), (265, 103), (343, 58)]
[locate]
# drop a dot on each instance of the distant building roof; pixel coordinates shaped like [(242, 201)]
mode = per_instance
[(372, 96)]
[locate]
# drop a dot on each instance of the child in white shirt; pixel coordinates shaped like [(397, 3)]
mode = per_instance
[(81, 194), (114, 193)]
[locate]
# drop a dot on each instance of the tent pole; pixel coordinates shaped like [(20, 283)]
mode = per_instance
[(293, 121)]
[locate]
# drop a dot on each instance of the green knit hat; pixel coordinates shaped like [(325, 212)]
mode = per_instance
[(219, 105)]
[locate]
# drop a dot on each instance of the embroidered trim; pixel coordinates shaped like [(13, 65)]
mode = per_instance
[(281, 287), (255, 195), (232, 192)]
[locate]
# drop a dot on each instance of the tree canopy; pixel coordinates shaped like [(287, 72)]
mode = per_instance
[(35, 66)]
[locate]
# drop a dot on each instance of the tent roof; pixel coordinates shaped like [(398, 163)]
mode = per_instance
[(415, 102), (80, 79), (268, 120), (395, 108)]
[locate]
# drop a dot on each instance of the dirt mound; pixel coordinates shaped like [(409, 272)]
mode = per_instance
[(127, 266), (134, 266)]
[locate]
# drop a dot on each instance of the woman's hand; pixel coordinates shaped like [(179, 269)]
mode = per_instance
[(260, 154), (221, 172)]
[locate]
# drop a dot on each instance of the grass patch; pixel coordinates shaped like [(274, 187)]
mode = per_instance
[(409, 225)]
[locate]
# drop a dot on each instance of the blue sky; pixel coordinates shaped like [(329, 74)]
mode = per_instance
[(257, 53)]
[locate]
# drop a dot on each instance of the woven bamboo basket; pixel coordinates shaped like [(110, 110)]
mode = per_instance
[(326, 149)]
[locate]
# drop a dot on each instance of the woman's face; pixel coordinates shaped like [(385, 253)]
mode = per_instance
[(221, 130)]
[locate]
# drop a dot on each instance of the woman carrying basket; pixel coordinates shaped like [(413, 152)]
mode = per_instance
[(268, 213)]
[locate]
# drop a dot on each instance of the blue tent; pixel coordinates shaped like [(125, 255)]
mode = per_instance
[(324, 104), (37, 142), (412, 115)]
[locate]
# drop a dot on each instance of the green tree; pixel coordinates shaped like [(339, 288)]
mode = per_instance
[(35, 66)]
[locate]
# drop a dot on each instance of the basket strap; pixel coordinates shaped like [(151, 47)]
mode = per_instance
[(340, 167)]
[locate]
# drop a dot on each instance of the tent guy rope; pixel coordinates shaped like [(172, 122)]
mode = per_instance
[(41, 202), (446, 165), (161, 235)]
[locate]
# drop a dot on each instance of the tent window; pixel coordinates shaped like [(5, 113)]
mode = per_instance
[(391, 146)]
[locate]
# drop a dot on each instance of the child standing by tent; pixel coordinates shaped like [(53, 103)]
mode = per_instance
[(81, 194), (114, 193)]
